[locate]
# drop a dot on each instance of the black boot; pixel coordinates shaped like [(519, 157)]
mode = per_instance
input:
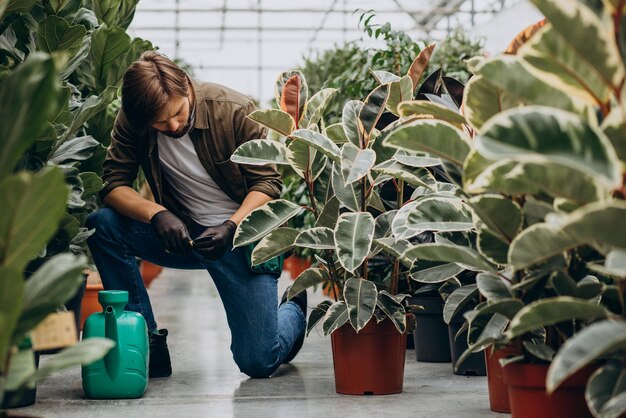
[(300, 299), (160, 364)]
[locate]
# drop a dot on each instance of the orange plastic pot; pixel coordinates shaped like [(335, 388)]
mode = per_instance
[(296, 265), (370, 362), (149, 271), (90, 302), (498, 390), (528, 397)]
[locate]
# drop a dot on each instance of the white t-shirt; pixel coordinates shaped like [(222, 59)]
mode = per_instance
[(205, 202)]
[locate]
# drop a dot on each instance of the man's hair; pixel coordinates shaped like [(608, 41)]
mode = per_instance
[(148, 85)]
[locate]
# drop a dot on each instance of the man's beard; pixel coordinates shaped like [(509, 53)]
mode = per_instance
[(178, 134)]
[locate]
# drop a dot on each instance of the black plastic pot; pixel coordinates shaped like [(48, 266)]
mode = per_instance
[(431, 333), (20, 398), (474, 365)]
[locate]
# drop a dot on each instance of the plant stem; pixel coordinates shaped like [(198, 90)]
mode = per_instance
[(396, 262)]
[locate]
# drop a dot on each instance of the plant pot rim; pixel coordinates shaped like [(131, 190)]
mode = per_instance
[(95, 286), (371, 328)]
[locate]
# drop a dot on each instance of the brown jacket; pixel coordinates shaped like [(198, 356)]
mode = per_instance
[(220, 127)]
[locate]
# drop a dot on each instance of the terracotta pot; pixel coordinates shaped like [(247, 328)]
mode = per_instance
[(296, 265), (90, 302), (528, 397), (149, 271), (370, 362), (498, 390)]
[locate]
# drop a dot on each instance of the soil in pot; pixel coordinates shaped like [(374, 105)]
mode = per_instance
[(370, 362), (431, 333), (498, 390), (528, 397), (474, 365)]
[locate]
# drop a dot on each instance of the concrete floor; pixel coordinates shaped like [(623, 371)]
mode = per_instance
[(207, 383)]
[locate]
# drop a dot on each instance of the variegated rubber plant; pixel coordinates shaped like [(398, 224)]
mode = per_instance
[(343, 166), (542, 172)]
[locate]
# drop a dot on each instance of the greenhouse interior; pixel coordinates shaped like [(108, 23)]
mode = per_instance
[(341, 208)]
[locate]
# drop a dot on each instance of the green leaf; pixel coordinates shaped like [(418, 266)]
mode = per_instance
[(330, 213), (336, 133), (336, 316), (33, 205), (54, 34), (317, 238), (303, 159), (109, 46), (52, 285), (317, 314), (608, 380), (90, 108), (318, 141), (613, 128), (348, 194), (17, 6), (457, 300), (491, 246), (535, 134), (432, 213), (492, 287), (412, 176), (595, 46), (393, 309), (264, 220), (438, 138), (399, 91), (361, 296), (350, 121), (551, 311), (587, 346), (308, 278), (316, 106), (384, 77), (356, 163), (433, 271), (76, 149), (28, 100), (261, 152), (419, 160), (450, 254), (482, 100), (83, 353), (274, 244), (274, 119), (115, 12), (396, 247), (353, 238), (600, 222), (501, 215), (614, 264), (425, 109), (419, 64), (373, 108), (11, 301)]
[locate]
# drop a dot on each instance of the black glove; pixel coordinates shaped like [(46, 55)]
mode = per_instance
[(216, 240), (172, 231)]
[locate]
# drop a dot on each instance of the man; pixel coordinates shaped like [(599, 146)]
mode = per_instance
[(182, 134)]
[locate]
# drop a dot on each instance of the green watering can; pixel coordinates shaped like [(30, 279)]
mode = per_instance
[(123, 372)]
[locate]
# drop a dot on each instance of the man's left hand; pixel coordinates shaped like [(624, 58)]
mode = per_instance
[(215, 241)]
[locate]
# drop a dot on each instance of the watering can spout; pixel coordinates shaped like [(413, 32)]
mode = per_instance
[(113, 303)]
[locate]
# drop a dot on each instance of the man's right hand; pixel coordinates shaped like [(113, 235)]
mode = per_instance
[(172, 231)]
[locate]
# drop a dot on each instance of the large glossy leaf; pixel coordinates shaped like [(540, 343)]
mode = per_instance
[(492, 246), (492, 287), (600, 222), (399, 91), (28, 100), (115, 12), (449, 254), (499, 214), (354, 233), (316, 106), (433, 271), (536, 134), (350, 121), (330, 213), (261, 152), (279, 87), (83, 353), (336, 316), (318, 141), (426, 109), (87, 110), (437, 138), (290, 99), (52, 285), (361, 296), (350, 195), (418, 66), (416, 160), (481, 100), (109, 46), (317, 314), (304, 158), (54, 34), (410, 175), (356, 163), (11, 300), (457, 300), (76, 149), (274, 244), (32, 206), (594, 45), (396, 248), (432, 214), (320, 238), (308, 278), (264, 220), (393, 309), (551, 311), (613, 128), (274, 119), (586, 347), (607, 381), (373, 108), (336, 133)]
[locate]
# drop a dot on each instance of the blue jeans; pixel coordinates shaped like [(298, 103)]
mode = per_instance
[(262, 332)]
